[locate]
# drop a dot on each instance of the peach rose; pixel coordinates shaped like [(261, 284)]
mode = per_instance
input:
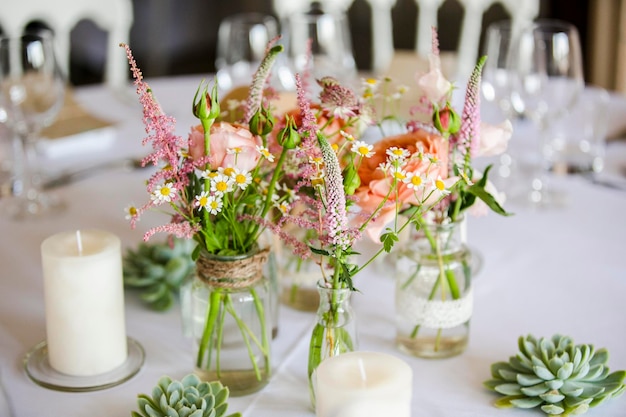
[(375, 186), (225, 136)]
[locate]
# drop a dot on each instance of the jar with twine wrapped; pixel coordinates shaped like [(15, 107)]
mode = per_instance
[(231, 323)]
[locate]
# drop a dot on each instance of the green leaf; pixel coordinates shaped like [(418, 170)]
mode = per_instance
[(478, 189), (535, 390), (552, 409), (388, 240), (507, 402), (527, 402), (319, 251), (508, 389)]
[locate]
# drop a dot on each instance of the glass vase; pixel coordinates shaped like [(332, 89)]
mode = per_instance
[(433, 295), (334, 332), (231, 321), (298, 282)]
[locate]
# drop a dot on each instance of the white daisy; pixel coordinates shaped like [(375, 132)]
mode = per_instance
[(265, 153), (214, 204), (221, 184), (363, 149), (131, 212), (440, 186), (413, 180), (164, 193), (241, 178), (396, 153)]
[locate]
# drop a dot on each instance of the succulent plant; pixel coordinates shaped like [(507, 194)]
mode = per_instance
[(158, 270), (188, 397), (562, 378)]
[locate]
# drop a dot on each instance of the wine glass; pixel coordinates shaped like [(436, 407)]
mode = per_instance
[(31, 95), (549, 78), (496, 84), (319, 43), (241, 43)]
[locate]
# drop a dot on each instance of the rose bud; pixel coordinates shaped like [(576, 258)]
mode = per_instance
[(446, 120)]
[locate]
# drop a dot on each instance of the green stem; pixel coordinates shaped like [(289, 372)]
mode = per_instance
[(264, 331), (245, 334), (213, 309)]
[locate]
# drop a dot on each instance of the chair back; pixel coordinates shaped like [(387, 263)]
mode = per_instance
[(112, 16), (521, 12)]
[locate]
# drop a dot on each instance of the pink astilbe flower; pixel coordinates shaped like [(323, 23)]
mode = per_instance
[(259, 79), (183, 230), (469, 135), (299, 248), (336, 220), (308, 129), (158, 126)]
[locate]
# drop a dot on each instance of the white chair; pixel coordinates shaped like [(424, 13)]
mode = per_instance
[(112, 16), (521, 11)]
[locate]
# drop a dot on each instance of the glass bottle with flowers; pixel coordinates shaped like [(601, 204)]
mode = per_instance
[(221, 186), (433, 266), (327, 188)]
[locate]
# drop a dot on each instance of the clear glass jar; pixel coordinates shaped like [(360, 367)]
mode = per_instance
[(231, 321), (334, 332), (298, 282), (433, 295)]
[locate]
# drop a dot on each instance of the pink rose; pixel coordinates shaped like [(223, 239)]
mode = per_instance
[(224, 137), (494, 138)]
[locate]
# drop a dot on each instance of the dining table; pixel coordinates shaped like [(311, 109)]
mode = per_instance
[(543, 271)]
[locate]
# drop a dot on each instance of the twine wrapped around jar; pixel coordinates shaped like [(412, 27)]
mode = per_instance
[(232, 272)]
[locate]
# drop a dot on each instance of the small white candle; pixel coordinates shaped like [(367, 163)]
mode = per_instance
[(84, 297), (363, 384)]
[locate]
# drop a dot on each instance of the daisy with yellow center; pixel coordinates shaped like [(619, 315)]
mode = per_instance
[(265, 153), (316, 160), (284, 207), (214, 204), (335, 147), (440, 186), (398, 174), (363, 149), (347, 136), (234, 151), (228, 171), (131, 211), (241, 178), (466, 178), (413, 180), (202, 200), (221, 184), (396, 153), (208, 174), (164, 193)]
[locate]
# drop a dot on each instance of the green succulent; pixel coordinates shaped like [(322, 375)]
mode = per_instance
[(188, 397), (158, 270), (563, 378)]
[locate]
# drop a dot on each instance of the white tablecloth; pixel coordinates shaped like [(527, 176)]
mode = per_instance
[(547, 271)]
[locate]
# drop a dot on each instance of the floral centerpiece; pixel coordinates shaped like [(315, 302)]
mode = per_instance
[(221, 185), (435, 153)]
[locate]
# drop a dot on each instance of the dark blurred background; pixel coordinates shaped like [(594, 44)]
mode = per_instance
[(171, 37)]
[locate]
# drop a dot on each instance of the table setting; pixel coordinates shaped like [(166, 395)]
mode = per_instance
[(434, 291)]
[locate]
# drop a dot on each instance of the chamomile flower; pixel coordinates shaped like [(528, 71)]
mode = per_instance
[(413, 180), (347, 136), (228, 171), (202, 200), (316, 160), (265, 153), (396, 153), (283, 206), (242, 178), (398, 173), (131, 211), (221, 184), (214, 204), (208, 174), (164, 193), (439, 186), (363, 149), (291, 194), (234, 151)]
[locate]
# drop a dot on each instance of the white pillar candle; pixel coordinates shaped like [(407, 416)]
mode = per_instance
[(363, 384), (84, 297)]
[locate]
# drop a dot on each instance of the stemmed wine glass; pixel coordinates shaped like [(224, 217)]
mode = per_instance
[(496, 84), (547, 62), (31, 95)]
